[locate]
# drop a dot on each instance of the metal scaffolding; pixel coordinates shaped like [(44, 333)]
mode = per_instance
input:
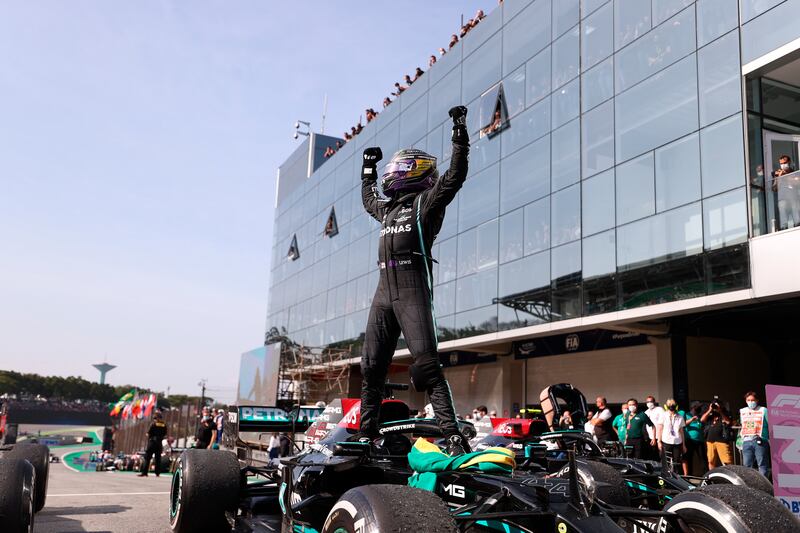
[(307, 375)]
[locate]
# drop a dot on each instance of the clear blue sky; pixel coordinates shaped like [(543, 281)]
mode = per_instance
[(138, 148)]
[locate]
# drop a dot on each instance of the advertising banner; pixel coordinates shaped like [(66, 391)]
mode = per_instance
[(783, 404), (582, 341), (258, 376)]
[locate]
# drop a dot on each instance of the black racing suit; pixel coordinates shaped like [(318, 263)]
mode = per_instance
[(403, 300), (156, 433)]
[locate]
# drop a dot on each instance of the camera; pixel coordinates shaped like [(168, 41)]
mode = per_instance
[(715, 403)]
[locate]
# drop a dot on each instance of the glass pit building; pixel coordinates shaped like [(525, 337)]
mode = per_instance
[(621, 228)]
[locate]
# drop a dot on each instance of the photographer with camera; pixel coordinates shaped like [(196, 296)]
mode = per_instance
[(755, 435), (718, 435)]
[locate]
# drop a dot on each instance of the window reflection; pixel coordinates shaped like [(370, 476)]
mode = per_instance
[(537, 226), (566, 57), (715, 18), (479, 198), (566, 277), (566, 162), (597, 85), (525, 175), (598, 203), (722, 156), (725, 218), (566, 215), (525, 35), (631, 20), (659, 109), (597, 134), (656, 50), (511, 226), (678, 173), (598, 37), (635, 189), (537, 77), (719, 79)]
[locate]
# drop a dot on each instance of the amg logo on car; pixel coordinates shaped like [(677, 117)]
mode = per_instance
[(456, 491)]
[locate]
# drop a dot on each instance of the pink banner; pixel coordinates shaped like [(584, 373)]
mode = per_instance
[(783, 404)]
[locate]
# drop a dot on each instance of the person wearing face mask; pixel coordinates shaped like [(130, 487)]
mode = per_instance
[(636, 424), (755, 435), (619, 424), (695, 441), (655, 413), (788, 205), (671, 438)]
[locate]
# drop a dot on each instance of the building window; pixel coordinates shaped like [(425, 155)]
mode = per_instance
[(493, 111), (294, 251), (331, 227)]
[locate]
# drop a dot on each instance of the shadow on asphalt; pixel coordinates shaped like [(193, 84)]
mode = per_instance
[(89, 509)]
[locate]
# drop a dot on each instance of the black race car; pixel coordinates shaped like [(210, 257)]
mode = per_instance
[(24, 469), (651, 484), (337, 486)]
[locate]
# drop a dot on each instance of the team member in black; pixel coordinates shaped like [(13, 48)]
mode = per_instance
[(410, 221), (156, 433)]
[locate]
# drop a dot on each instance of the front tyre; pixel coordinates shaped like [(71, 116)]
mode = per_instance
[(16, 495), (205, 486), (732, 509), (38, 455), (388, 508)]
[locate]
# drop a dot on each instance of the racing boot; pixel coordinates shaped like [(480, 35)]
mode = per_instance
[(456, 445)]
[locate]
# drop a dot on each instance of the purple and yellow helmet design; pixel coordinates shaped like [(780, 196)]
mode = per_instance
[(409, 171)]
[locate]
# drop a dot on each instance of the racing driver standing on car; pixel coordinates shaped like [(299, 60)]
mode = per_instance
[(410, 220)]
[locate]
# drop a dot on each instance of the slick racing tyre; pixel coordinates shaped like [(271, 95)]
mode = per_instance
[(38, 455), (16, 496), (739, 475), (205, 486), (389, 508), (601, 480), (732, 509)]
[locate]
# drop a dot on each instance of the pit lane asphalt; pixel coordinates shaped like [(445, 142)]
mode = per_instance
[(103, 502)]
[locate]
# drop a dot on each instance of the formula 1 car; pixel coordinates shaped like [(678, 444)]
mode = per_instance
[(24, 469), (651, 484), (338, 486)]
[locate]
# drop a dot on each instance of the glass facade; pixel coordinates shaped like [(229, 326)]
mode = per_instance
[(618, 180)]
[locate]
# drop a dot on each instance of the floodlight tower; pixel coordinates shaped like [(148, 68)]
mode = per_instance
[(104, 369)]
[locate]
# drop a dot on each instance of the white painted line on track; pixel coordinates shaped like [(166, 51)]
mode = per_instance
[(109, 494)]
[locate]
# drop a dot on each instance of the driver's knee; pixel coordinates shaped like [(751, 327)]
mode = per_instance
[(425, 373)]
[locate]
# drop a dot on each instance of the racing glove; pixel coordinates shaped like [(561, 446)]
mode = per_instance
[(459, 116), (369, 167)]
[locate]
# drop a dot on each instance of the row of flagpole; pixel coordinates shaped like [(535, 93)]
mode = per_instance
[(133, 405)]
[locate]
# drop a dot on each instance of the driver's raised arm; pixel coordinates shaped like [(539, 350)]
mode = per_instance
[(446, 187)]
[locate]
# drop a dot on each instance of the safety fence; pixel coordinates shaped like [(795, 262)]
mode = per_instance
[(130, 434)]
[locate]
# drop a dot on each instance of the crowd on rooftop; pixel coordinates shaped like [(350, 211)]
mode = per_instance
[(408, 80)]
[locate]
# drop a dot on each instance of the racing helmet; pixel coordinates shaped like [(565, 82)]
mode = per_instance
[(409, 171)]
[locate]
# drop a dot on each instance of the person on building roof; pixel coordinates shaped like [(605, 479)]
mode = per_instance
[(410, 219)]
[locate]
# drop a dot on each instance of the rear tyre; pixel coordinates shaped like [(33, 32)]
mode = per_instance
[(16, 495), (205, 486), (37, 455), (608, 485), (732, 509), (389, 508), (739, 475)]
